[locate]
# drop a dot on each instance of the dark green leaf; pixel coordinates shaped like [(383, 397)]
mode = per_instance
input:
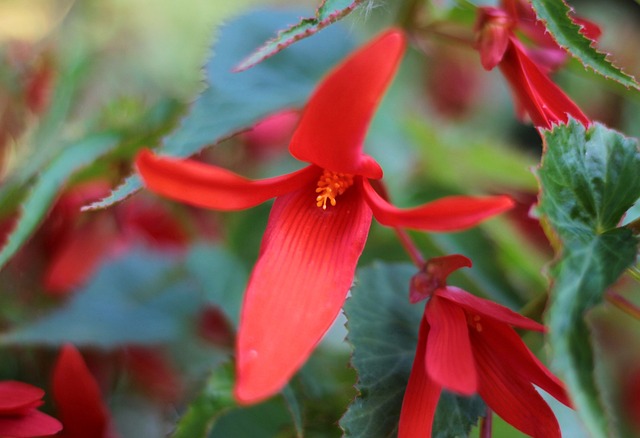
[(236, 101), (269, 419), (555, 15), (327, 13), (214, 400), (383, 329), (589, 179), (49, 183)]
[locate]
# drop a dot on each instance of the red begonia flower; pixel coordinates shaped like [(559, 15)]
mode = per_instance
[(319, 221), (468, 345), (18, 414), (534, 93), (77, 397)]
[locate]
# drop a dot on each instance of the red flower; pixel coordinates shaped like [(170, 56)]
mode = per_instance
[(534, 93), (319, 221), (18, 414), (468, 345), (77, 397)]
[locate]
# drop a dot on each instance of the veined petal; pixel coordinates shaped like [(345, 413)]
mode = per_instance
[(306, 266), (334, 123), (421, 396), (449, 359), (505, 343), (488, 308), (213, 187), (17, 397), (446, 214), (512, 398), (544, 101)]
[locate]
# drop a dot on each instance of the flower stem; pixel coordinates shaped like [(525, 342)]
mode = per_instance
[(410, 247), (486, 424), (623, 304)]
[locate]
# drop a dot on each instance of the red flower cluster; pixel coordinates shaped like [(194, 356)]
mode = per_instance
[(468, 345), (525, 69), (320, 219)]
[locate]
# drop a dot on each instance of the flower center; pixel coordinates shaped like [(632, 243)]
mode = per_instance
[(330, 185), (475, 322)]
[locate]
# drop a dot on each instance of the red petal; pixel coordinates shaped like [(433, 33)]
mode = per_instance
[(33, 423), (306, 266), (493, 28), (77, 397), (505, 343), (449, 359), (589, 29), (544, 101), (513, 399), (488, 308), (334, 123), (212, 187), (18, 397), (446, 214), (421, 396)]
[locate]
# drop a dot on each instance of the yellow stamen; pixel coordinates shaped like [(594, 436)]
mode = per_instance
[(330, 185)]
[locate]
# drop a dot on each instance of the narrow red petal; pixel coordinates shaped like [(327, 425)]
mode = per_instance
[(18, 397), (421, 396), (505, 343), (306, 266), (334, 123), (513, 399), (213, 187), (33, 423), (483, 307), (77, 397), (449, 359), (446, 214)]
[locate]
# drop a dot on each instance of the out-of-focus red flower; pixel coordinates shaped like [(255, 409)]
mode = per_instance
[(214, 327), (153, 374), (319, 221), (534, 93), (468, 345), (77, 398), (271, 134), (18, 414)]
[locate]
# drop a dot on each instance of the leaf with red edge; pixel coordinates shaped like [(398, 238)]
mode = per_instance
[(327, 13), (568, 34)]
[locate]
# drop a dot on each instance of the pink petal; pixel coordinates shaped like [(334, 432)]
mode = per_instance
[(421, 396), (446, 214), (487, 308), (77, 397), (33, 423), (449, 359), (505, 343), (334, 123), (213, 187), (18, 397), (513, 399), (306, 266)]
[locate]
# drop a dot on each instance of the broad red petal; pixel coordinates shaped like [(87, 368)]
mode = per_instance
[(306, 266), (213, 187), (334, 123), (446, 214), (506, 344), (18, 397), (449, 359), (421, 396), (488, 308), (513, 399), (32, 424), (77, 397)]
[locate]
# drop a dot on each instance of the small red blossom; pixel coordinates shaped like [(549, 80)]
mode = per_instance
[(320, 219), (78, 399), (18, 414), (534, 93), (468, 345)]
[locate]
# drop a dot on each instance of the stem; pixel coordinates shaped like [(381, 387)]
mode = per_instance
[(486, 424), (623, 304), (410, 247)]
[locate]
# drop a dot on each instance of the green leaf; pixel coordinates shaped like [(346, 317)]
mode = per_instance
[(49, 183), (383, 329), (589, 179), (555, 15), (214, 400), (269, 419), (327, 13), (236, 101)]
